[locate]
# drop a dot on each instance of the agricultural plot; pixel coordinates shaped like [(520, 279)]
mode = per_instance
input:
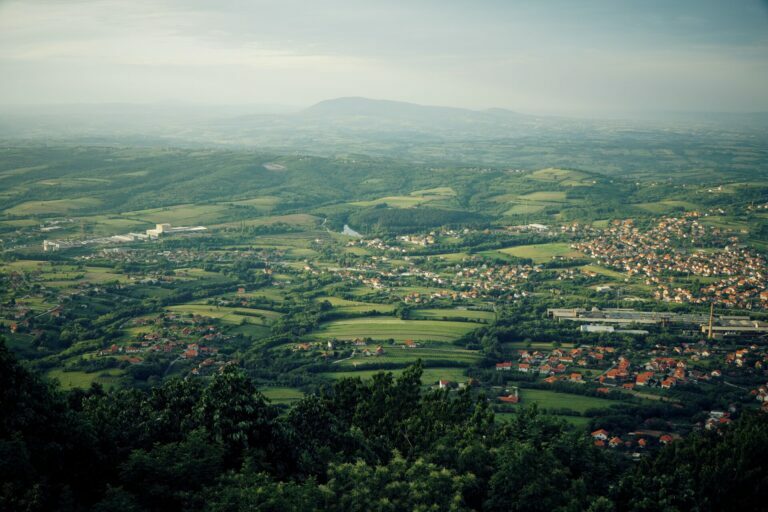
[(297, 219), (351, 306), (383, 328), (564, 177), (667, 206), (54, 207), (540, 253), (401, 355), (282, 395), (457, 314), (415, 198), (78, 379), (576, 421), (265, 203), (184, 215), (597, 269), (547, 399), (228, 315), (429, 377)]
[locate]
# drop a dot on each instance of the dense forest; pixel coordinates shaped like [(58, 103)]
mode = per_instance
[(382, 444)]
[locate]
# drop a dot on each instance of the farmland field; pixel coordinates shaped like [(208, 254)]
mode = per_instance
[(351, 306), (429, 377), (449, 314), (83, 380), (541, 253), (546, 399), (402, 356), (58, 206), (382, 328), (282, 395), (227, 315)]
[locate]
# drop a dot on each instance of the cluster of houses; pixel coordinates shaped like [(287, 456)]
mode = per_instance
[(761, 395), (673, 247), (664, 367), (640, 439), (489, 278), (554, 365), (189, 338)]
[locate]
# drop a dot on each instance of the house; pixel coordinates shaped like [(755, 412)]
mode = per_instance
[(644, 378), (601, 434), (576, 377), (668, 383), (445, 384), (523, 367), (615, 442), (505, 366), (510, 399), (666, 439)]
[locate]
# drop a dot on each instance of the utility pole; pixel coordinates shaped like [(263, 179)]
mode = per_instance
[(711, 320)]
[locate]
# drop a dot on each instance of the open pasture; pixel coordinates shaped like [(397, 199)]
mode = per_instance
[(183, 215), (384, 328), (282, 395), (547, 399), (429, 377), (453, 314), (402, 355), (228, 315), (351, 306), (83, 380), (54, 207), (415, 198), (541, 253), (564, 177)]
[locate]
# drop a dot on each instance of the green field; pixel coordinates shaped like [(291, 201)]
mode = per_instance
[(78, 379), (541, 253), (667, 206), (546, 399), (415, 198), (383, 328), (429, 377), (450, 314), (228, 315), (282, 395), (544, 196), (296, 219), (576, 421), (402, 355), (563, 177), (183, 215), (57, 206), (351, 306)]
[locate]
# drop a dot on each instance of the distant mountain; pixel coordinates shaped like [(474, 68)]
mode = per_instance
[(408, 131), (403, 111)]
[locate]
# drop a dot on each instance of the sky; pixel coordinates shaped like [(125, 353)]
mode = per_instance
[(538, 56)]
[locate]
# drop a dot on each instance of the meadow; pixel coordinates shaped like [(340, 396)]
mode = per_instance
[(540, 253), (384, 328), (429, 377)]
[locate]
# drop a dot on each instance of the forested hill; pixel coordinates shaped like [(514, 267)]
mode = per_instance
[(378, 445)]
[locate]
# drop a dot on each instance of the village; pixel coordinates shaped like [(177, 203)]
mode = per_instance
[(727, 272)]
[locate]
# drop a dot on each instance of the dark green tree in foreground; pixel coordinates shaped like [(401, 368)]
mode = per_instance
[(382, 444)]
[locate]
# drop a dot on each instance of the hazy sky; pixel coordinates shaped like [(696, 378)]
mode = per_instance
[(533, 56)]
